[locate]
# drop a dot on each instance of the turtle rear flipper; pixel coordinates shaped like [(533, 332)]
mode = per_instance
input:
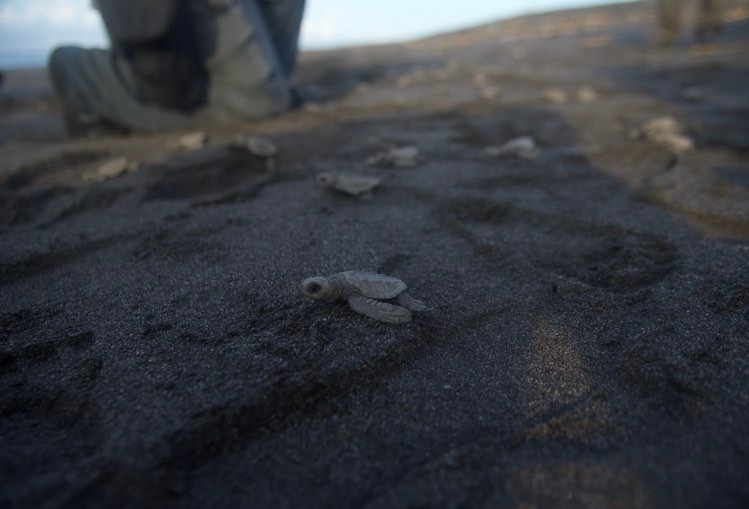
[(378, 310), (373, 285), (409, 302)]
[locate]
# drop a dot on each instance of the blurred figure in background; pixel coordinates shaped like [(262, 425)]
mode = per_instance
[(180, 63), (709, 20)]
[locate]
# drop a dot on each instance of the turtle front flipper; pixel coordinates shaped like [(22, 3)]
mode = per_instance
[(378, 310), (409, 302)]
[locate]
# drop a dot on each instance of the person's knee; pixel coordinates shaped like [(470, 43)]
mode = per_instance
[(62, 61), (64, 57)]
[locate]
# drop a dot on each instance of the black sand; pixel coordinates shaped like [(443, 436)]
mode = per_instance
[(586, 340)]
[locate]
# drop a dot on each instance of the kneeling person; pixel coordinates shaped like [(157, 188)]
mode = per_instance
[(177, 63)]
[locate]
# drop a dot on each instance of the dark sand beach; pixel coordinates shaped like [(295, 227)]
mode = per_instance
[(586, 342)]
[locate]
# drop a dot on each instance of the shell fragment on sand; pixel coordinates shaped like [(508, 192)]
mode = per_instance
[(524, 148), (190, 142), (111, 169), (667, 132), (377, 296), (489, 92), (399, 157), (354, 185)]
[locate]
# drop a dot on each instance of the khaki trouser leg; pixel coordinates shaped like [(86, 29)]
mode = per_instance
[(249, 72)]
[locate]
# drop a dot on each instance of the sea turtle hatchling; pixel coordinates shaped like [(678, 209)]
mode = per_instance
[(524, 148), (399, 157), (111, 169), (666, 132), (367, 293), (189, 142), (258, 146)]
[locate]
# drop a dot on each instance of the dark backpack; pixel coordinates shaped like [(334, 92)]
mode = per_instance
[(158, 40)]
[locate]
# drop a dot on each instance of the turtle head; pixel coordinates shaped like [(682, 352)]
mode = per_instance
[(318, 288), (325, 180)]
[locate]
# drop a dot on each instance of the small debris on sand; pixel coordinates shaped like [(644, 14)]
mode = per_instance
[(354, 185), (523, 148), (489, 92), (400, 157), (587, 94), (555, 96), (111, 169), (189, 142)]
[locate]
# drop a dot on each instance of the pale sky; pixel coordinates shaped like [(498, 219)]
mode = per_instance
[(30, 28)]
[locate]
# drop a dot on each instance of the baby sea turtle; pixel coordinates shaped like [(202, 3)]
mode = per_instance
[(367, 293), (667, 132), (190, 142), (554, 95), (524, 148), (258, 146), (587, 94), (111, 169), (355, 185), (399, 157)]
